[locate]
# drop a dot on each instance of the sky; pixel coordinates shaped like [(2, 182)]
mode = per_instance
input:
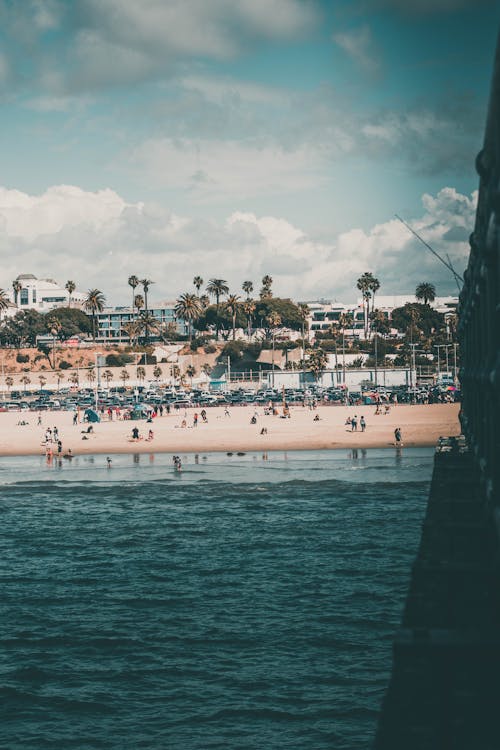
[(237, 138)]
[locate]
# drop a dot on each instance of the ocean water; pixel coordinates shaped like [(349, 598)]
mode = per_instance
[(245, 602)]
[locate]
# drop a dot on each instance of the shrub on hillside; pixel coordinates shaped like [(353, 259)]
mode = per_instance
[(22, 358), (63, 365), (118, 360)]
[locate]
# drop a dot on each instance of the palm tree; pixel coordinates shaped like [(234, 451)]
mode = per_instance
[(107, 376), (175, 371), (70, 286), (318, 360), (54, 328), (198, 282), (217, 288), (147, 323), (248, 308), (146, 283), (426, 292), (91, 376), (60, 377), (364, 285), (204, 301), (132, 329), (25, 380), (232, 305), (206, 368), (74, 378), (134, 282), (94, 304), (345, 320), (4, 301), (42, 380), (16, 286), (157, 373), (373, 287), (188, 307), (124, 375), (9, 382), (191, 372), (247, 287), (139, 302), (265, 291)]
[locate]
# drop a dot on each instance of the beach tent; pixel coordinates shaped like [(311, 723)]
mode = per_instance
[(139, 413), (91, 416)]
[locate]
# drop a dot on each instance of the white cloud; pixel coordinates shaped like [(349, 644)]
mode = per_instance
[(211, 169), (359, 45), (99, 239), (118, 42)]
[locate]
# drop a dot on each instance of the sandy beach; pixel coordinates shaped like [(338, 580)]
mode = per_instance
[(420, 425)]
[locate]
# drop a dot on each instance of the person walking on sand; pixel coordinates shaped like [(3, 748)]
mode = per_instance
[(75, 418), (39, 422), (354, 423), (398, 436), (226, 412), (362, 423)]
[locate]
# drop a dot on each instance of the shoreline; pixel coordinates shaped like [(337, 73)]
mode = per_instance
[(421, 426)]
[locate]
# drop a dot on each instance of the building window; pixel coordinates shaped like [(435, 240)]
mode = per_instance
[(24, 297), (33, 294)]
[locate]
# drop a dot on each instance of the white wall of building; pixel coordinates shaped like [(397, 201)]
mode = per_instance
[(42, 295)]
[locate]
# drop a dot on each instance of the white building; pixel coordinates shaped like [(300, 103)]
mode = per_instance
[(42, 295), (323, 314)]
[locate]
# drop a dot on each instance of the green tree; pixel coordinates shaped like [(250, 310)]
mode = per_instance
[(22, 329), (107, 376), (247, 287), (25, 380), (265, 292), (291, 314), (364, 284), (191, 372), (198, 282), (93, 304), (217, 288), (70, 287), (426, 292), (146, 283), (232, 305), (188, 308), (9, 382), (133, 282), (4, 302), (132, 329), (317, 362), (248, 308), (157, 373), (422, 317), (124, 376), (141, 373), (138, 302), (72, 322), (16, 286)]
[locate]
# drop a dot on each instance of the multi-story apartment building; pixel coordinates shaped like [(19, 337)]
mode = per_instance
[(112, 320)]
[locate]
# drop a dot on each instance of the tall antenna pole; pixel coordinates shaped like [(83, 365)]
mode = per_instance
[(444, 262)]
